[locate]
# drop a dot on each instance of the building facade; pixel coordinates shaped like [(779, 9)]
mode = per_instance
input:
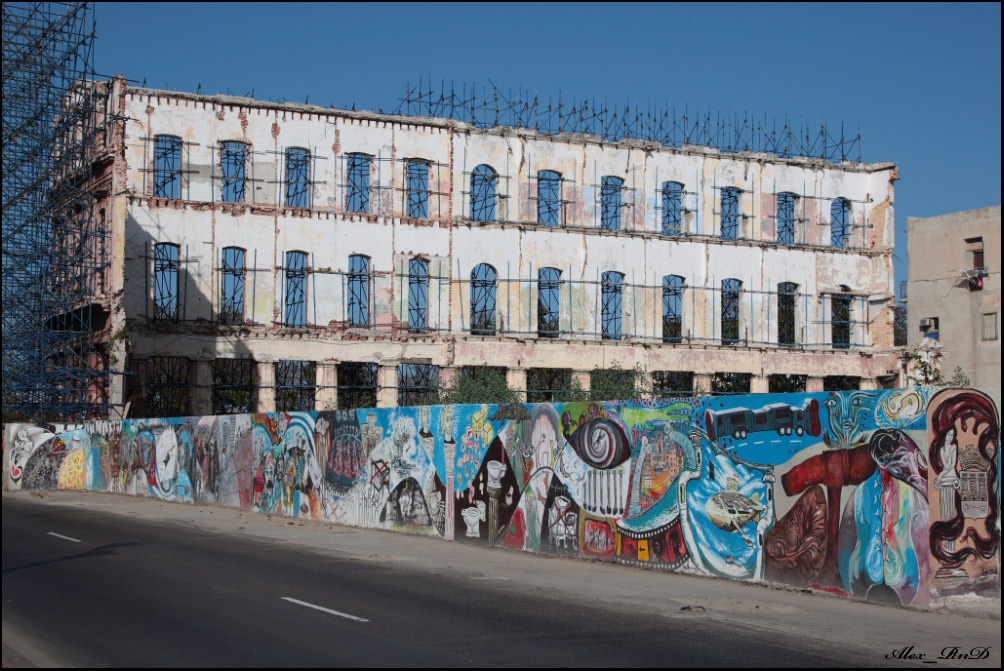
[(955, 290), (271, 256)]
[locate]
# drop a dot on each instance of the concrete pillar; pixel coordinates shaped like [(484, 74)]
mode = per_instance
[(584, 377), (446, 375), (117, 380), (869, 383), (702, 382), (200, 393), (326, 397), (135, 388), (759, 384), (265, 381), (515, 378), (813, 384), (387, 387)]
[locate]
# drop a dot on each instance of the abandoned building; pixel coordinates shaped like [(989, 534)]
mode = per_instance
[(277, 256), (955, 290)]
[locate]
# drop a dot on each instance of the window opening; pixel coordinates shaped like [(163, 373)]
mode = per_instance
[(672, 383), (989, 331), (296, 290), (787, 294), (548, 302), (840, 320), (786, 384), (357, 385), (417, 384), (167, 166), (672, 308), (167, 386), (295, 386), (730, 212), (234, 161), (233, 386), (165, 268), (841, 383), (418, 189), (731, 288), (232, 286), (542, 384), (358, 197), (549, 198), (297, 177), (484, 373), (840, 229), (672, 208), (359, 290), (612, 202), (484, 182), (786, 218), (731, 383), (483, 300), (612, 304), (418, 295)]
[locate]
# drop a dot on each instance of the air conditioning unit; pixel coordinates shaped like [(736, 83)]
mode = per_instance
[(926, 323)]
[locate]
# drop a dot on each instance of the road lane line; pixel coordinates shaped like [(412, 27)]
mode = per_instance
[(66, 538), (326, 610)]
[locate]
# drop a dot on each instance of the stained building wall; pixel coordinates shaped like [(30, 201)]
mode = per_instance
[(890, 496), (514, 244)]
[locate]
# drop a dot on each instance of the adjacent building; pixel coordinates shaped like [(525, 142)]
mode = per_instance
[(955, 290), (276, 256)]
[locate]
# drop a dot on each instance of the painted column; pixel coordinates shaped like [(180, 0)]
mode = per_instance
[(326, 397), (265, 380)]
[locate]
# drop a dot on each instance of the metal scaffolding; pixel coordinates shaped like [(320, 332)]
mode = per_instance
[(53, 252), (488, 106)]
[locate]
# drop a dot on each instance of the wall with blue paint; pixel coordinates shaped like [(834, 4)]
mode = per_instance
[(885, 495)]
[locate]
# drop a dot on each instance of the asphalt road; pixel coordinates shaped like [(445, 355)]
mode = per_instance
[(147, 587)]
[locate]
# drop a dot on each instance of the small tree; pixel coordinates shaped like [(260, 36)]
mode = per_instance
[(487, 387), (899, 330), (617, 384)]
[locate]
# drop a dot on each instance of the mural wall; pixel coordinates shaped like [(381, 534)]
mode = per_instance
[(890, 495)]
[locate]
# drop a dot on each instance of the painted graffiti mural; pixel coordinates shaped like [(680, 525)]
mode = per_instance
[(889, 496)]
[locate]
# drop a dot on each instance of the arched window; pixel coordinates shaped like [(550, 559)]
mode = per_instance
[(840, 319), (672, 208), (295, 313), (359, 290), (232, 286), (418, 188), (484, 183), (840, 229), (549, 198), (612, 295), (234, 165), (165, 271), (786, 218), (418, 295), (297, 177), (357, 196), (166, 166), (548, 302), (483, 300), (731, 289), (730, 212), (611, 202), (787, 294), (672, 308)]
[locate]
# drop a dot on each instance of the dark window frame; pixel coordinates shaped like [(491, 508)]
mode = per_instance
[(298, 191), (296, 270), (484, 279), (548, 302), (673, 287), (167, 282), (359, 281), (484, 194), (672, 208), (731, 314), (233, 273), (167, 151), (234, 171), (358, 187), (612, 305)]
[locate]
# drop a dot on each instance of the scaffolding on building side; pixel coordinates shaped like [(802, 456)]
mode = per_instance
[(53, 250)]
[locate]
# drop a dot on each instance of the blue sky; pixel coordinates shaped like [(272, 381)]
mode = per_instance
[(923, 81)]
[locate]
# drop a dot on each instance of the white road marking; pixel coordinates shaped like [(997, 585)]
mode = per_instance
[(65, 538), (326, 610)]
